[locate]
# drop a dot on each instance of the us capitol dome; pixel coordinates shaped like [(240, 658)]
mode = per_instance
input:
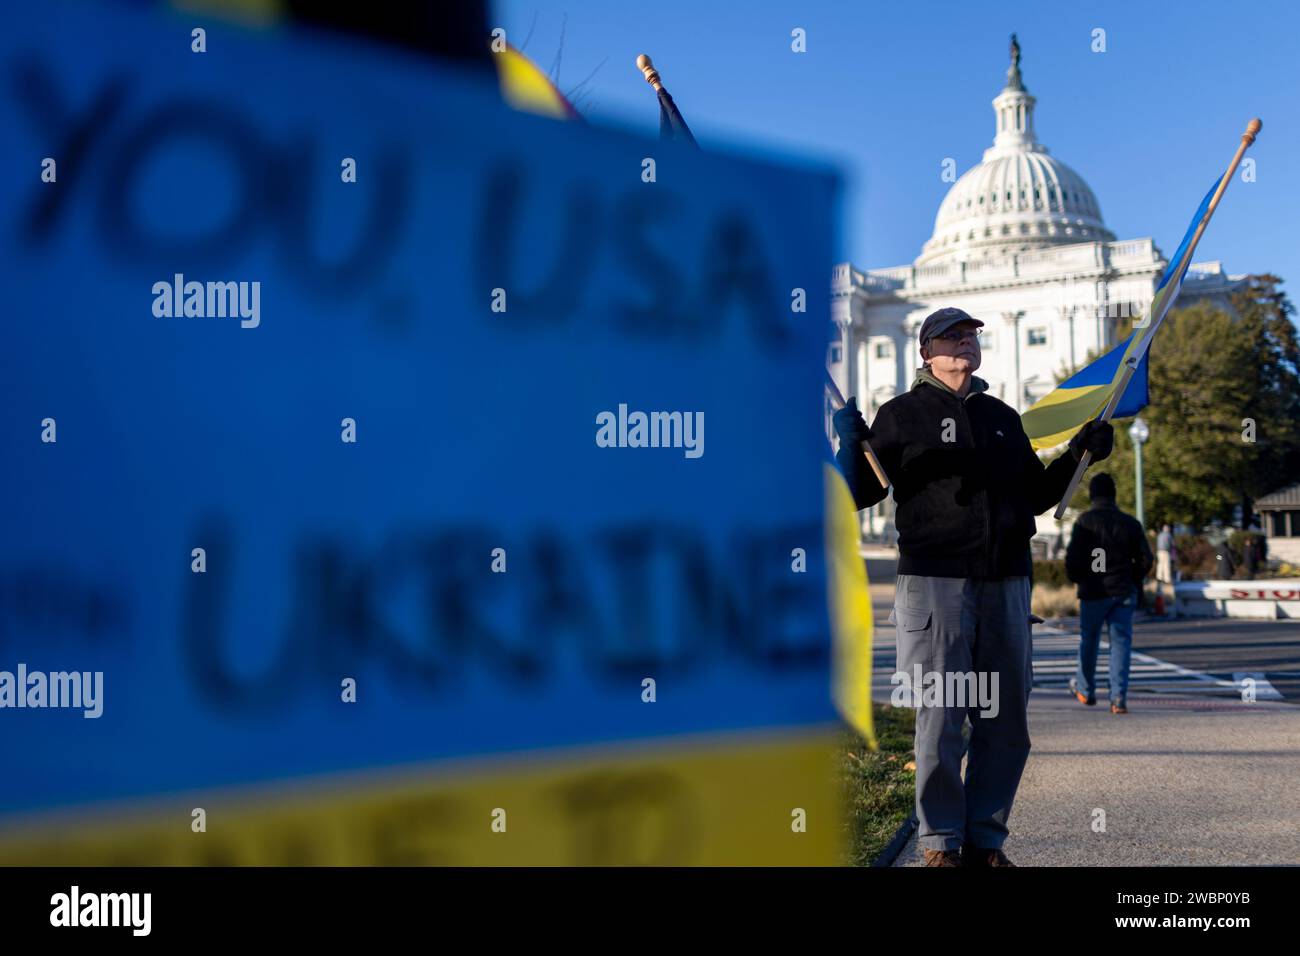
[(1018, 198)]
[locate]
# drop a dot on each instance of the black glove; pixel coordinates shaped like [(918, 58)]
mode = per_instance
[(850, 425), (1095, 436)]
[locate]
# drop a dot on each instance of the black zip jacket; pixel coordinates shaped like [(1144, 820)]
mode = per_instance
[(966, 482), (1128, 555)]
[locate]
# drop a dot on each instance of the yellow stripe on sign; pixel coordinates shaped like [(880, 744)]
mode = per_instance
[(715, 801), (850, 606)]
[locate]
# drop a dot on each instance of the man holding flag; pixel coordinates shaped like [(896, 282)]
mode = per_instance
[(967, 485)]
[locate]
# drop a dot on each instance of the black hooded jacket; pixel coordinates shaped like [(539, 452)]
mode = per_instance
[(966, 481), (1128, 556)]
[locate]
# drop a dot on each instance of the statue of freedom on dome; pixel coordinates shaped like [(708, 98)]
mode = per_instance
[(1013, 73)]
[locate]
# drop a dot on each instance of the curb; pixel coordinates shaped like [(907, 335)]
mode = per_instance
[(895, 846)]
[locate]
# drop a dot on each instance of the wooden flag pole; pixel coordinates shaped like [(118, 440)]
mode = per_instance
[(647, 68), (1132, 362), (668, 109), (837, 401)]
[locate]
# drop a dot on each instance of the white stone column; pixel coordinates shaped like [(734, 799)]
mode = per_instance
[(1103, 308), (845, 380), (1067, 313), (1013, 319), (905, 362), (862, 365), (852, 341)]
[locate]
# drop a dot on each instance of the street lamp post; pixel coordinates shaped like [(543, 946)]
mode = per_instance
[(1139, 432)]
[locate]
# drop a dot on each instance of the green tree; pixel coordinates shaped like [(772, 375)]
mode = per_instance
[(1274, 383)]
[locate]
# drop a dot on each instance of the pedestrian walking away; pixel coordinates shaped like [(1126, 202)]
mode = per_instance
[(1108, 559)]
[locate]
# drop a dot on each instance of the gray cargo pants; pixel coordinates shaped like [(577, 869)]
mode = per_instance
[(957, 627)]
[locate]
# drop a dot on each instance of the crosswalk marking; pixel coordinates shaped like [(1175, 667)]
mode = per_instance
[(1264, 690), (1056, 655)]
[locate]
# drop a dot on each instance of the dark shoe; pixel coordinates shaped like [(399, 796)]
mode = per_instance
[(943, 858), (1118, 707), (1090, 699), (982, 856)]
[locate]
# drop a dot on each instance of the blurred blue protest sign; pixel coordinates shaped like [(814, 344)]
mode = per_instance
[(308, 350)]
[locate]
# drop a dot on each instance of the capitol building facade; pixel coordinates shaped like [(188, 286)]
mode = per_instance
[(1019, 242)]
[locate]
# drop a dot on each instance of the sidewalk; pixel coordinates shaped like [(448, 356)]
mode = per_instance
[(1182, 781)]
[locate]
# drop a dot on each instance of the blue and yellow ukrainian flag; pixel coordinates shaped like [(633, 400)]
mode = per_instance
[(1056, 416)]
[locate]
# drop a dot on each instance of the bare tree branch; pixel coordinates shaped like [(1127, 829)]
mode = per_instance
[(559, 53), (578, 93), (531, 27)]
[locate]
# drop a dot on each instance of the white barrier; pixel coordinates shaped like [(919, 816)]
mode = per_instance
[(1267, 600)]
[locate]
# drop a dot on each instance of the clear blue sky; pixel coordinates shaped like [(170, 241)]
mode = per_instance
[(886, 91)]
